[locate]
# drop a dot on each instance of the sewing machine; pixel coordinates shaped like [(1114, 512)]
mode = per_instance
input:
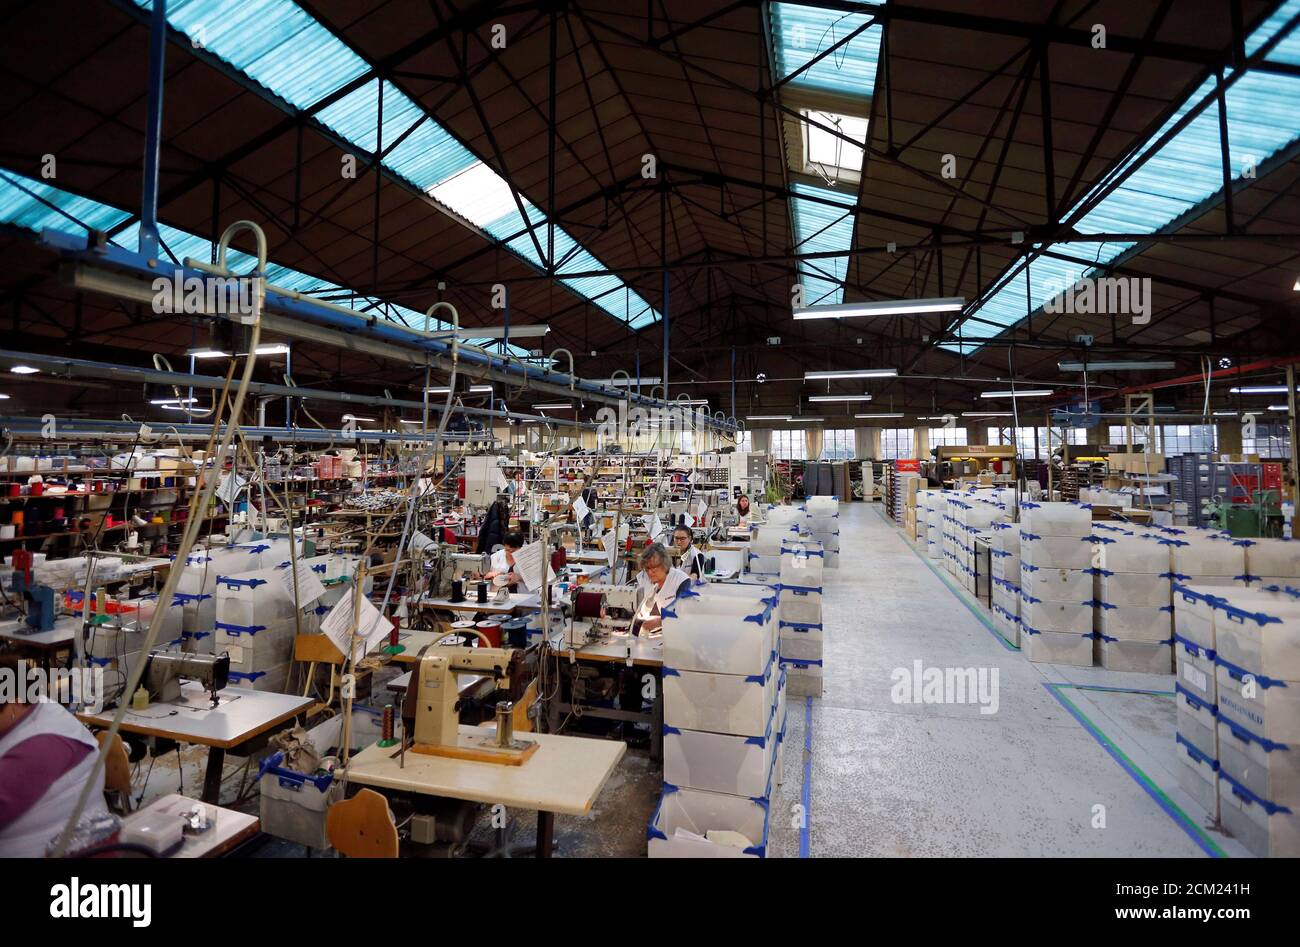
[(38, 603), (613, 612), (431, 708), (166, 669), (469, 564)]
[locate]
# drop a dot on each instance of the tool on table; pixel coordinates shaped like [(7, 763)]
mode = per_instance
[(166, 669)]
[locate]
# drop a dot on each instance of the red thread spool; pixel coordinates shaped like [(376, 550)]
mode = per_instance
[(393, 633), (387, 732)]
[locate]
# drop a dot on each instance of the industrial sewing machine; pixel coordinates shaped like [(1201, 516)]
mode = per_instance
[(431, 708), (601, 609), (38, 603), (166, 669)]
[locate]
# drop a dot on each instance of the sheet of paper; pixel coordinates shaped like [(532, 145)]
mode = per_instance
[(701, 509), (656, 528), (611, 548), (528, 563), (371, 626), (228, 489), (309, 584), (580, 509), (419, 541), (501, 481)]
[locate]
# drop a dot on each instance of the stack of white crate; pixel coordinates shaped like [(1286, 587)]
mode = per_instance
[(197, 585), (117, 645), (1208, 558), (256, 623), (1132, 587), (1196, 692), (799, 620), (1257, 663), (723, 719), (783, 522), (976, 519), (952, 533), (1055, 586), (823, 524), (1004, 579), (935, 506)]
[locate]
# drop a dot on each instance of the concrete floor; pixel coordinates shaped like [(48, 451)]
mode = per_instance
[(929, 779)]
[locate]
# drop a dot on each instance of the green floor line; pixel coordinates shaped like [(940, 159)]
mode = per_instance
[(973, 607), (1188, 824)]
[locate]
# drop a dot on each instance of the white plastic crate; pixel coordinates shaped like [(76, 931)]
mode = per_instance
[(765, 565), (1199, 775), (254, 648), (1053, 647), (1055, 616), (1269, 770), (1259, 824), (719, 635), (719, 762), (1144, 656), (721, 703), (1194, 615), (803, 678), (272, 679), (1141, 553), (1055, 519), (1055, 552), (1004, 565), (1127, 588), (1196, 558), (823, 506), (832, 559), (1278, 558), (802, 564), (1056, 585), (1267, 707), (1007, 623), (800, 641), (296, 810), (1260, 636), (1150, 623), (699, 813), (1198, 725), (801, 604)]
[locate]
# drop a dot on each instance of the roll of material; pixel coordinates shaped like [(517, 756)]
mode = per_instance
[(588, 605)]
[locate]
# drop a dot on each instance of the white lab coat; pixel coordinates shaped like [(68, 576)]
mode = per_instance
[(499, 563), (665, 595), (689, 557)]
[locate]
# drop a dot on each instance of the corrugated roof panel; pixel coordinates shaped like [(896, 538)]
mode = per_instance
[(1288, 50), (820, 228), (1262, 120), (274, 42), (799, 33), (25, 202)]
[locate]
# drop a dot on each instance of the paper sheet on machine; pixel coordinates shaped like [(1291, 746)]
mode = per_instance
[(372, 626)]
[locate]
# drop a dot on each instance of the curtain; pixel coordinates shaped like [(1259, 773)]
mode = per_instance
[(813, 442), (867, 442), (760, 440)]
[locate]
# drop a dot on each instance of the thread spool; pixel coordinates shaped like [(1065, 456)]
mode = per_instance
[(457, 590), (515, 632), (492, 631), (462, 628), (588, 605), (482, 596), (386, 731), (505, 723)]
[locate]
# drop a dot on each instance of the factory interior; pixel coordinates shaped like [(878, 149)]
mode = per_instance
[(591, 429)]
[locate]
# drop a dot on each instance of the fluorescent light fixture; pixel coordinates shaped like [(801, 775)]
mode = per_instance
[(167, 402), (277, 348), (856, 373), (4, 397), (353, 417), (888, 307), (552, 407), (1021, 393), (935, 417), (693, 401), (1225, 414), (410, 421), (1116, 366), (840, 398), (768, 417), (24, 370), (208, 353), (473, 389), (878, 415), (1278, 407), (271, 348), (500, 332), (1246, 390), (986, 414)]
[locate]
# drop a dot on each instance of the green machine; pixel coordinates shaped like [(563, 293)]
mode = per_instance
[(1260, 517)]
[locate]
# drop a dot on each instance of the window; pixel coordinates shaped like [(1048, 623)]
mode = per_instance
[(839, 444), (744, 443), (688, 442), (998, 435), (896, 443), (1271, 441), (1076, 435), (789, 445), (1116, 435), (947, 437), (828, 156), (1188, 439)]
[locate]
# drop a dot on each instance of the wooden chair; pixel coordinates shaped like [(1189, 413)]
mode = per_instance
[(362, 827), (117, 773)]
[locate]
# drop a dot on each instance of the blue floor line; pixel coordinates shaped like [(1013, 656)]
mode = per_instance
[(806, 792), (1104, 742)]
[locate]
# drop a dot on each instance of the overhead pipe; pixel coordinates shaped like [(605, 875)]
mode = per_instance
[(296, 309)]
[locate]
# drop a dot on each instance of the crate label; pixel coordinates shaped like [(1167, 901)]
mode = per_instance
[(1197, 677)]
